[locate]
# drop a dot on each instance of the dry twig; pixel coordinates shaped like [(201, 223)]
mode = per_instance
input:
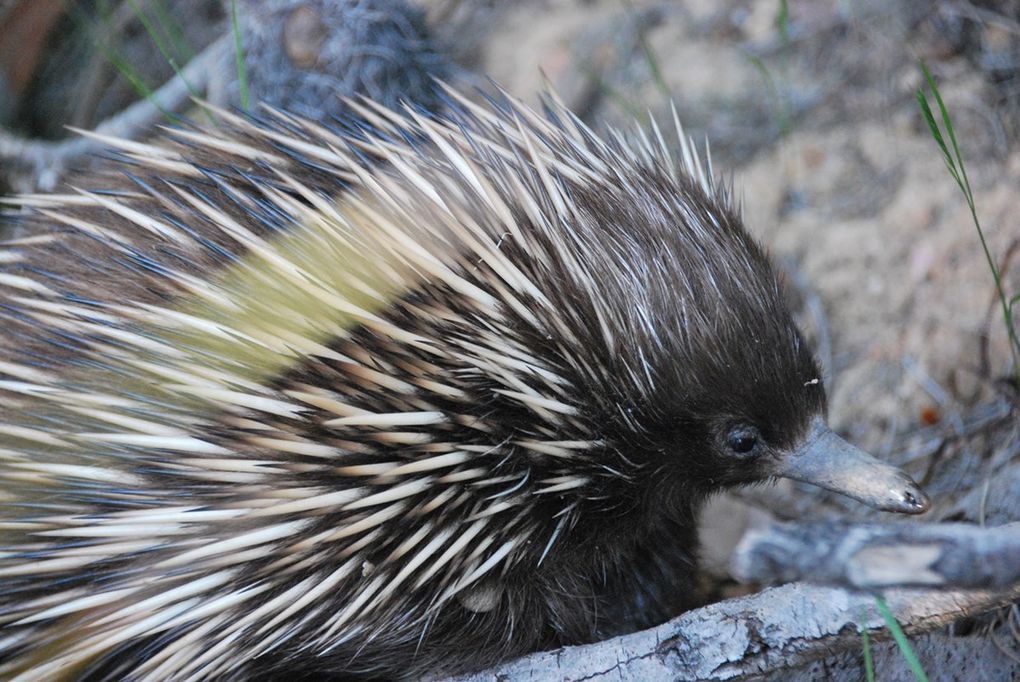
[(33, 165)]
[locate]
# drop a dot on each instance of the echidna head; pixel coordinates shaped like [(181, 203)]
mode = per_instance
[(680, 352)]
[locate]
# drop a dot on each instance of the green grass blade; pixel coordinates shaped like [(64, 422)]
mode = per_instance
[(778, 101), (869, 664), (649, 54), (123, 67), (957, 168), (615, 95), (242, 71), (948, 123), (929, 118), (940, 140), (168, 21), (783, 22), (901, 640), (160, 44)]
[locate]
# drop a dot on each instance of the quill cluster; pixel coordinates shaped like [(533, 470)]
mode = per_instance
[(403, 399)]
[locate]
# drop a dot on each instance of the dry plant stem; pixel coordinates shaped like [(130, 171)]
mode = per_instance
[(872, 556), (38, 164), (774, 630)]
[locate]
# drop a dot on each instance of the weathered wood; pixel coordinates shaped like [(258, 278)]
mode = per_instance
[(777, 629), (872, 556)]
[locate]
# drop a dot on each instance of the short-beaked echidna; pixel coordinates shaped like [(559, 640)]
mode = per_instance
[(398, 400)]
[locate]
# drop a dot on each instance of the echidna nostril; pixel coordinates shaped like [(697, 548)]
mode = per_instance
[(916, 500)]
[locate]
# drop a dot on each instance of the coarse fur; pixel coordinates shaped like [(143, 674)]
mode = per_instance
[(404, 399)]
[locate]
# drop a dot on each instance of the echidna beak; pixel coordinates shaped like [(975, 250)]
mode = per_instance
[(828, 461)]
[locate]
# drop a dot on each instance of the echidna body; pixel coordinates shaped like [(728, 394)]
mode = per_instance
[(399, 401)]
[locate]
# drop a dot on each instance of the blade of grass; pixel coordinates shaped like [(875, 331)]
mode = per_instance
[(157, 39), (650, 58), (922, 101), (901, 640), (153, 29), (949, 129), (869, 664), (956, 167), (783, 22), (618, 97), (166, 19), (778, 101), (242, 72), (126, 70)]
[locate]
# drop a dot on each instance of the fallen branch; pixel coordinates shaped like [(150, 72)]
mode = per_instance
[(870, 556), (777, 629)]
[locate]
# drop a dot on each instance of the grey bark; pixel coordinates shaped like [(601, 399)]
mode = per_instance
[(778, 629), (871, 556)]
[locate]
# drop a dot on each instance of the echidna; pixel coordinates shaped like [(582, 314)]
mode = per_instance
[(403, 399)]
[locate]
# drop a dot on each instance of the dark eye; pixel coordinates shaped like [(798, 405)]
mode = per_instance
[(743, 440)]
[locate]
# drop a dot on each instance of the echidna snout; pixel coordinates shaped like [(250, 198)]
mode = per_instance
[(277, 399)]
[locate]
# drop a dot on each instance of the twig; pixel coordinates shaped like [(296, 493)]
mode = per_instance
[(44, 161)]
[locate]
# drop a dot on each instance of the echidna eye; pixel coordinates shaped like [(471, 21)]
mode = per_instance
[(742, 441)]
